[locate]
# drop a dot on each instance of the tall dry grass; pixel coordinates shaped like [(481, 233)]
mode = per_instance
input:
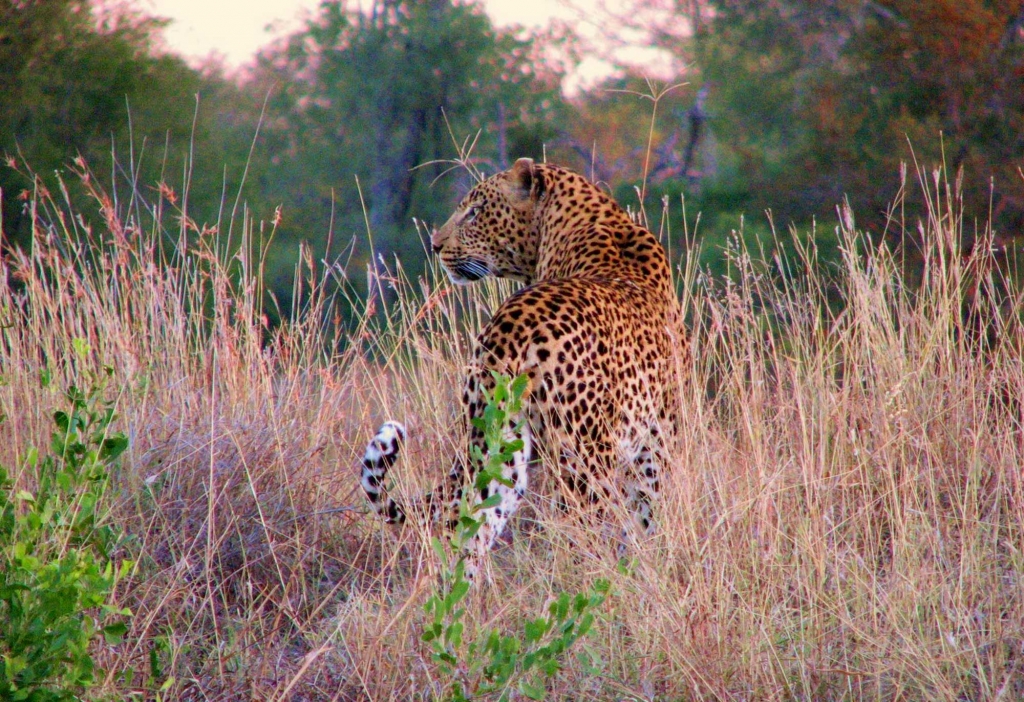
[(843, 517)]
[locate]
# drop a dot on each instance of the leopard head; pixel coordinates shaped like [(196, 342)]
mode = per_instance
[(492, 231)]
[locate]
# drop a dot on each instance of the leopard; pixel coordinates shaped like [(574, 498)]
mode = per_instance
[(596, 330)]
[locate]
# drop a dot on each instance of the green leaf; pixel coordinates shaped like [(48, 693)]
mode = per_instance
[(114, 633), (560, 607), (459, 591), (435, 543), (85, 511), (113, 446), (586, 621), (63, 420), (533, 690), (469, 527), (518, 385), (550, 667), (81, 347), (492, 501), (454, 635), (510, 645), (534, 629)]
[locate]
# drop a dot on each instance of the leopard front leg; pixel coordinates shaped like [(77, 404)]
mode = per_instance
[(495, 518), (514, 474)]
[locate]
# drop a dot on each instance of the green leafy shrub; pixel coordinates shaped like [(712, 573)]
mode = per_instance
[(492, 663), (56, 565)]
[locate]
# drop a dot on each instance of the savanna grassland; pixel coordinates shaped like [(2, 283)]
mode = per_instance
[(843, 517)]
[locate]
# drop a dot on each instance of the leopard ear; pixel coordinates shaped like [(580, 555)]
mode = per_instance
[(526, 179)]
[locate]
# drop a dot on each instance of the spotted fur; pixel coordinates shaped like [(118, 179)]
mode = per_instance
[(595, 330)]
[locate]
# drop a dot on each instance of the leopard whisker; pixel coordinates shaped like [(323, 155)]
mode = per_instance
[(471, 269)]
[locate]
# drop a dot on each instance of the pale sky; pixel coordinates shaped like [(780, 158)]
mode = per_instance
[(235, 29)]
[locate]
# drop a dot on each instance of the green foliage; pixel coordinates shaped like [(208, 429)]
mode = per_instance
[(80, 79), (345, 122), (57, 569), (814, 101), (503, 404), (384, 91), (494, 663), (489, 662)]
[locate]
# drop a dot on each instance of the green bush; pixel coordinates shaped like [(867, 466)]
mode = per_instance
[(56, 565), (492, 663)]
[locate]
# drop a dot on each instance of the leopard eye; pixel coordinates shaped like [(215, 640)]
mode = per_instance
[(471, 214)]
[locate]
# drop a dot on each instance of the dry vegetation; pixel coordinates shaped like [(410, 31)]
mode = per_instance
[(844, 518)]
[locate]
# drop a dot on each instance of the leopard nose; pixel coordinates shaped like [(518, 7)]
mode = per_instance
[(437, 238)]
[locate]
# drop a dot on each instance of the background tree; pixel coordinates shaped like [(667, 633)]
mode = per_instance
[(813, 101), (383, 96), (380, 94), (81, 79)]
